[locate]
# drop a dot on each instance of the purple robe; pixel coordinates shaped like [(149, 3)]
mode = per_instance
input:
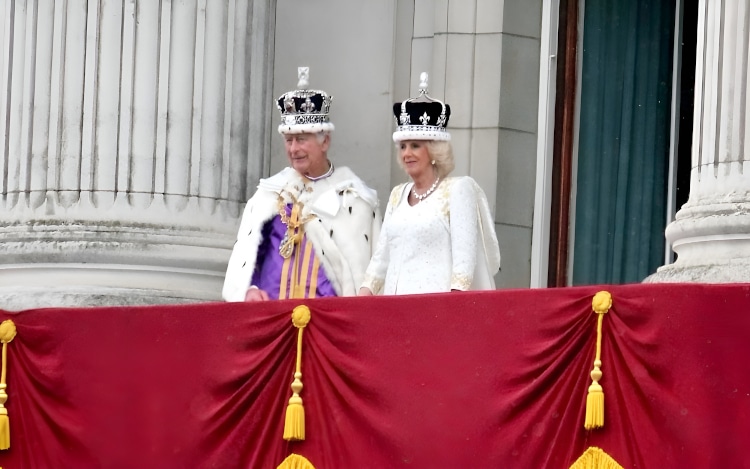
[(270, 266)]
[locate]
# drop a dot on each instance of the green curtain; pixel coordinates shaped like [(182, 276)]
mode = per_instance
[(623, 151)]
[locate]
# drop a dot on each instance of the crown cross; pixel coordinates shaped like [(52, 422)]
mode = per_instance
[(424, 119), (441, 121), (307, 106), (404, 119)]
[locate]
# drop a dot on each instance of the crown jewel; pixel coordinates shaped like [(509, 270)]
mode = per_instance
[(304, 110), (421, 118)]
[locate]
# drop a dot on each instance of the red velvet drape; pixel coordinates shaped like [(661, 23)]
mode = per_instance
[(458, 380)]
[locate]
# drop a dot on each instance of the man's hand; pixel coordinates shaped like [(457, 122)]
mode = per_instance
[(256, 294)]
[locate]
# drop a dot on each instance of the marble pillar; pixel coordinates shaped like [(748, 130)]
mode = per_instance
[(711, 232), (131, 133)]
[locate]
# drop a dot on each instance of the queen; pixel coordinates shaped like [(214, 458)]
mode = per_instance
[(437, 233)]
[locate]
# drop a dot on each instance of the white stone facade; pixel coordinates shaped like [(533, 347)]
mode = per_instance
[(132, 132)]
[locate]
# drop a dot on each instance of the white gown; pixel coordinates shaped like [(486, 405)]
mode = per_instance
[(445, 242)]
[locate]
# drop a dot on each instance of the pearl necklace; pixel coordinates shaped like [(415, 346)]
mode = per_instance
[(432, 188), (324, 175)]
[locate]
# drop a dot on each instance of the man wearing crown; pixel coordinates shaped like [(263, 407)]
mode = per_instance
[(309, 230)]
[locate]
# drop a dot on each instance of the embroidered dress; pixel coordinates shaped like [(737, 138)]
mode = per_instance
[(445, 242)]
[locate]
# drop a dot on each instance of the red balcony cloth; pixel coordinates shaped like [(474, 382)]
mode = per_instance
[(493, 379)]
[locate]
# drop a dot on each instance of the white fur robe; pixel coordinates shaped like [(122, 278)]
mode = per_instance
[(344, 231)]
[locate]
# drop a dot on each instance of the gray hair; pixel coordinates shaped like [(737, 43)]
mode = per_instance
[(322, 135)]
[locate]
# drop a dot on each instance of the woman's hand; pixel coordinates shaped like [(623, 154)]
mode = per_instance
[(364, 291)]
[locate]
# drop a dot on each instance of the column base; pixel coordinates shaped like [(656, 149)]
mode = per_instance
[(712, 243), (736, 272), (33, 298), (85, 264), (29, 286)]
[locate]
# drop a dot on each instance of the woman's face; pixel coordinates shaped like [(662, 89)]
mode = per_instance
[(415, 158)]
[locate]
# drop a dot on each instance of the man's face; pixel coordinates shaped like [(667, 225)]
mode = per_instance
[(307, 154)]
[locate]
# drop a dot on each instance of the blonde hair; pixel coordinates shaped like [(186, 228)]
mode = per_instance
[(441, 152)]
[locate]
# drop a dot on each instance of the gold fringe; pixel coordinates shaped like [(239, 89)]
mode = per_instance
[(294, 423), (595, 399), (7, 333), (595, 458), (294, 461)]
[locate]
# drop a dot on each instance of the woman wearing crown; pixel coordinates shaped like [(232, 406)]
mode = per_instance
[(437, 234)]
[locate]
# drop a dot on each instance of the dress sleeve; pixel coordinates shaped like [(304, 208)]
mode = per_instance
[(378, 266), (463, 225)]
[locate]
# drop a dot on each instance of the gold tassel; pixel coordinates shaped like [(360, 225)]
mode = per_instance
[(7, 333), (294, 424), (595, 458), (294, 461), (595, 398)]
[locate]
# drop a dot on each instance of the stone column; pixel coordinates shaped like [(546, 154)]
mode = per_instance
[(711, 232), (125, 131)]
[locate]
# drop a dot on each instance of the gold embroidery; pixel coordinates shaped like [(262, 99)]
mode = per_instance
[(376, 284), (396, 195), (444, 193), (291, 243), (302, 276), (283, 294), (460, 282), (313, 290), (294, 232)]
